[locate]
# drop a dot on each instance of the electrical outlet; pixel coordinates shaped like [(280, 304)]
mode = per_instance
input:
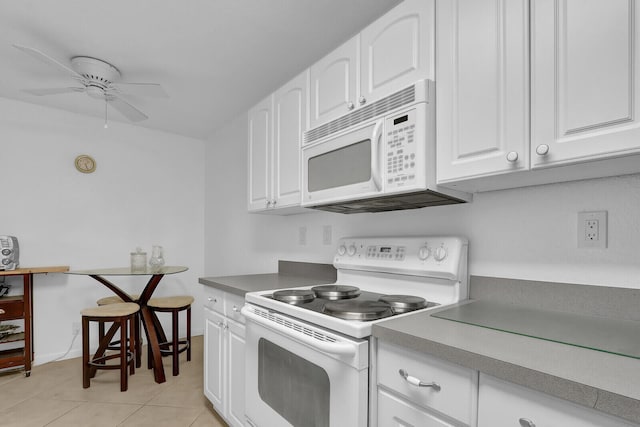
[(75, 328), (302, 235), (592, 229), (326, 235)]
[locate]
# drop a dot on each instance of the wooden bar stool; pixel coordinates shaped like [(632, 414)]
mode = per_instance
[(173, 305), (116, 300), (123, 316)]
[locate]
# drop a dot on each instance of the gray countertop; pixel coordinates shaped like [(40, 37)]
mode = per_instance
[(290, 275), (604, 381)]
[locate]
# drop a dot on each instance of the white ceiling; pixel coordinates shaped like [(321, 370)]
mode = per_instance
[(215, 58)]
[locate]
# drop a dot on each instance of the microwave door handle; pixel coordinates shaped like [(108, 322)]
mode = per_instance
[(375, 155)]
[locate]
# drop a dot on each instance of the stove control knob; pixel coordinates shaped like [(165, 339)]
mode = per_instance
[(351, 250), (440, 254), (423, 253), (342, 249)]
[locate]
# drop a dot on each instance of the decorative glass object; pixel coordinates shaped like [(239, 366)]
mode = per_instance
[(138, 260), (157, 257)]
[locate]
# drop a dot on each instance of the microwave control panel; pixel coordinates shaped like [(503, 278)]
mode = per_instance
[(400, 142)]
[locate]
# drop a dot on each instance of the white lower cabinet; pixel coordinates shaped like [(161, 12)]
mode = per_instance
[(503, 404), (224, 343), (414, 389)]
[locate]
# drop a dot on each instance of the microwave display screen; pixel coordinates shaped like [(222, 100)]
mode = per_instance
[(343, 166), (400, 119)]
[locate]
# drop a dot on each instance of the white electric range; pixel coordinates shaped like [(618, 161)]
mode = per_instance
[(308, 348)]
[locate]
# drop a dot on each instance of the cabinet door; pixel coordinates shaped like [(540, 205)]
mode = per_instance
[(260, 136), (482, 88), (235, 371), (214, 359), (290, 121), (397, 50), (334, 83), (502, 404), (584, 80)]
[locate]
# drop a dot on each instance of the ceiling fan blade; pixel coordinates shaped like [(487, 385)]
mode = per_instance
[(49, 60), (54, 91), (126, 109), (141, 89)]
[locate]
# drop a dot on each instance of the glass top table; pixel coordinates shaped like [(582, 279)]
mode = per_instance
[(128, 271), (153, 328)]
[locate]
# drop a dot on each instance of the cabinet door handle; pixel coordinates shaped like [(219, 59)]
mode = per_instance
[(350, 106), (236, 309), (526, 422), (2, 311), (512, 156), (417, 382), (214, 300), (362, 100), (542, 150)]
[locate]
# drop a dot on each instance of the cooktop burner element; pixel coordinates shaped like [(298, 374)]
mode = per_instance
[(358, 310), (294, 296), (336, 292), (404, 303)]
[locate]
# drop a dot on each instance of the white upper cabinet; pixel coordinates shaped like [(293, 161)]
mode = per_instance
[(276, 126), (392, 53), (334, 81), (260, 137), (290, 122), (397, 50), (482, 82), (584, 80)]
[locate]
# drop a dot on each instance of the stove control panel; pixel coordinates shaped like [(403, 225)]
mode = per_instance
[(433, 256)]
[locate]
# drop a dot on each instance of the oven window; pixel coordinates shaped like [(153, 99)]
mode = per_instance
[(295, 388), (344, 166)]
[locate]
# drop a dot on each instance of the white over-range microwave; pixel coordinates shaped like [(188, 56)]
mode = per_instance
[(378, 158)]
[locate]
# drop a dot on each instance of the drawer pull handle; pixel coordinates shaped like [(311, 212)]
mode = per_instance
[(236, 309), (2, 311), (525, 422), (416, 382)]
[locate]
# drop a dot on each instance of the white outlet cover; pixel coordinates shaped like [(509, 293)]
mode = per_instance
[(601, 240)]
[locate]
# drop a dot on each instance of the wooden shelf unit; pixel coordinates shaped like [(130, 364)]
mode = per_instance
[(17, 307)]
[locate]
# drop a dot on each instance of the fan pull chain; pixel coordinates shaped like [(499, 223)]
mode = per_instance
[(105, 113)]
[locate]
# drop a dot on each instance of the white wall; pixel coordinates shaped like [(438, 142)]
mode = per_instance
[(147, 190), (526, 233)]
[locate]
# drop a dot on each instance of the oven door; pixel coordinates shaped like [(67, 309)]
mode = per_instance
[(300, 375), (344, 167)]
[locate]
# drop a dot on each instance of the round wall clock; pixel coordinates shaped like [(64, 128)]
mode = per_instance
[(85, 163)]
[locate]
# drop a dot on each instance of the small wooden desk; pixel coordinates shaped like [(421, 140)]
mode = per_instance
[(21, 307), (152, 327)]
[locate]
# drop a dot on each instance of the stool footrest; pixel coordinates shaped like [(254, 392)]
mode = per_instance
[(183, 345)]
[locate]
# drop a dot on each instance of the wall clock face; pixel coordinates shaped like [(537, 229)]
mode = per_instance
[(85, 164)]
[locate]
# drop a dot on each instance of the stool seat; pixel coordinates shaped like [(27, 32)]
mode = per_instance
[(171, 302), (112, 310), (115, 299)]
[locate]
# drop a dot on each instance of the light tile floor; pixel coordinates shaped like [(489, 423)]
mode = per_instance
[(53, 396)]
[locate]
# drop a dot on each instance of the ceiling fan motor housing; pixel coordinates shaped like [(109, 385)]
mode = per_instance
[(99, 73)]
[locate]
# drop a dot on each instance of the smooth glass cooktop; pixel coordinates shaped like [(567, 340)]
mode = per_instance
[(621, 337)]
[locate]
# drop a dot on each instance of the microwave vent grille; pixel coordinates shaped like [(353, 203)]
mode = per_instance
[(403, 97)]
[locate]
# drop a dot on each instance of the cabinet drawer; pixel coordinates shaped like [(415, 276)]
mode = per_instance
[(457, 397), (394, 411), (11, 308), (502, 404), (232, 305), (214, 299)]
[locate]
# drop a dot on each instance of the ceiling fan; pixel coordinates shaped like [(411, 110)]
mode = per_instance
[(99, 80)]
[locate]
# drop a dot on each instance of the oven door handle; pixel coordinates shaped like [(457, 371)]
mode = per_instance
[(341, 348)]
